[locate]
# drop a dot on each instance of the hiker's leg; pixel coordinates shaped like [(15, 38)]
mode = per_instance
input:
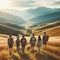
[(17, 49), (23, 49), (33, 48), (38, 49), (10, 51), (44, 46)]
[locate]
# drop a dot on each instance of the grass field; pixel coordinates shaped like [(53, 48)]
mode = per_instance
[(52, 51)]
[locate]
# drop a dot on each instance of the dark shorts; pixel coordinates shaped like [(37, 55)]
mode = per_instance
[(45, 43), (32, 45), (10, 46)]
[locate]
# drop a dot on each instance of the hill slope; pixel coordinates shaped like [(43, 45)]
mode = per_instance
[(7, 30), (9, 18), (31, 13), (52, 29), (14, 26), (51, 32), (46, 18)]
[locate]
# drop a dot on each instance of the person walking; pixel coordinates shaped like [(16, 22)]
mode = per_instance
[(23, 43), (18, 44), (39, 43), (45, 40), (32, 42), (10, 43)]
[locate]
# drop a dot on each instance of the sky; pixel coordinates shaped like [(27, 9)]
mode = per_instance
[(28, 4)]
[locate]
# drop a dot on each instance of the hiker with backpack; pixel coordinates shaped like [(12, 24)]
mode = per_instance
[(45, 40), (10, 43), (32, 42), (23, 43), (18, 44), (39, 43)]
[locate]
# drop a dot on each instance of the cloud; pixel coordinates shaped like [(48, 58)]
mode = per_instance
[(46, 3), (57, 3), (28, 4), (22, 3)]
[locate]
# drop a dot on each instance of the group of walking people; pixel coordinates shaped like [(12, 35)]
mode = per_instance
[(23, 42)]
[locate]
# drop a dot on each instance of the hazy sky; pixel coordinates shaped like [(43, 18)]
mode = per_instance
[(27, 4)]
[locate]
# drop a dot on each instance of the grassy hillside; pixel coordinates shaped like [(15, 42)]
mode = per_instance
[(9, 18), (46, 18), (8, 30), (51, 32), (14, 26), (49, 25), (52, 51), (52, 29)]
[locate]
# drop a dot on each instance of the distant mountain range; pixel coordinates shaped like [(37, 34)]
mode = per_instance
[(14, 26), (32, 13), (36, 16), (9, 18), (46, 18)]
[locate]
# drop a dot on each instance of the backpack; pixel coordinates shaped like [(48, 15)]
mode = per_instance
[(10, 41), (23, 40), (45, 38), (17, 42), (33, 40)]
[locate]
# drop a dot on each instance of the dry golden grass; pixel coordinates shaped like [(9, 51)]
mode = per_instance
[(51, 32), (3, 48), (4, 55), (53, 50), (52, 47), (56, 44), (3, 35)]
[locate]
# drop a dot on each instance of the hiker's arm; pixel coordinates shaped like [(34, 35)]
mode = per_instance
[(30, 40), (35, 39), (42, 39), (21, 41), (26, 41), (8, 41), (13, 41)]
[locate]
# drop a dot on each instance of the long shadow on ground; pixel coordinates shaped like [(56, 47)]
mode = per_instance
[(41, 57), (25, 57), (50, 57), (15, 57), (38, 56), (44, 57)]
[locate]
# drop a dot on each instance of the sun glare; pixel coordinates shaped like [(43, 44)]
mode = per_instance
[(4, 4)]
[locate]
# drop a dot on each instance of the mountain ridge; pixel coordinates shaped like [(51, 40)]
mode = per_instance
[(8, 18)]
